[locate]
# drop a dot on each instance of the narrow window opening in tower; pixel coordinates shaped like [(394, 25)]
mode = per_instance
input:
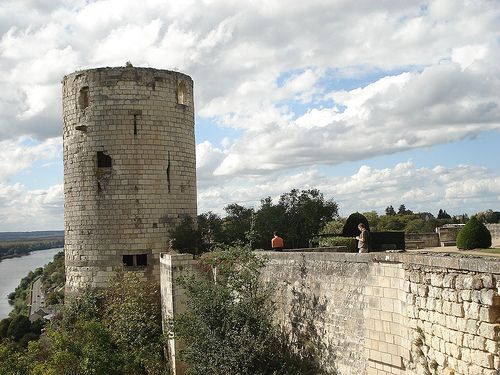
[(103, 160), (135, 124), (182, 93), (128, 260), (135, 260), (168, 171), (83, 99), (142, 260)]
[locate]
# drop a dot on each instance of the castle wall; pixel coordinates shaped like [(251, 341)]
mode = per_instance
[(494, 230), (129, 169), (384, 313), (425, 239)]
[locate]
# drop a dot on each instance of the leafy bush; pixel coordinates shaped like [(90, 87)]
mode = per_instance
[(4, 326), (19, 326), (115, 331), (185, 238), (228, 326), (473, 235), (351, 225), (350, 242)]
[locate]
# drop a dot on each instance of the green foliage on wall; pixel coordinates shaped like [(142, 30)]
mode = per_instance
[(228, 327)]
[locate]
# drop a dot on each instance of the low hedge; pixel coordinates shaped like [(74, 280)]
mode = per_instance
[(377, 239), (350, 242)]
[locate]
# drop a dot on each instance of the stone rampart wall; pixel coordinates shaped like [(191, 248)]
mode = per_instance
[(427, 239), (382, 313), (494, 230)]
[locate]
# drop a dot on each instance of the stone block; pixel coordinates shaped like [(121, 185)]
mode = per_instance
[(489, 314), (472, 282), (489, 330), (457, 309), (471, 326), (489, 297), (482, 358), (471, 310), (449, 280), (437, 279), (491, 346)]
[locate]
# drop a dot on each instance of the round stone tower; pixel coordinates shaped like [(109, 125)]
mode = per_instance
[(129, 170)]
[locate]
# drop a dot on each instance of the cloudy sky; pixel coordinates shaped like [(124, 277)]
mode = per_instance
[(375, 103)]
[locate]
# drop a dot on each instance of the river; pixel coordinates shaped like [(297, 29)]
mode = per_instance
[(14, 269)]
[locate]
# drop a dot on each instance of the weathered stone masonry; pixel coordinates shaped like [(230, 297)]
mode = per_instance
[(379, 313), (129, 169)]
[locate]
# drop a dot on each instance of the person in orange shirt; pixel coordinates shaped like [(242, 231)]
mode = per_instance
[(277, 242)]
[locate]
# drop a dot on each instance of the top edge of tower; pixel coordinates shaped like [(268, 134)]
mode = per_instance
[(124, 72)]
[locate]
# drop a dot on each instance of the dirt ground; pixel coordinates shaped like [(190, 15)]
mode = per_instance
[(453, 249)]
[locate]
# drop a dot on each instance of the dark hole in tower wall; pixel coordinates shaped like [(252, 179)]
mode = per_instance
[(103, 173), (103, 160), (83, 98), (168, 171)]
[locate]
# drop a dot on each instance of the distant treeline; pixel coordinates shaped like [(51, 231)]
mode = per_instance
[(36, 235), (10, 248)]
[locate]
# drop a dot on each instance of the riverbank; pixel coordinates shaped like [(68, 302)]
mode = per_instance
[(15, 244), (13, 270), (30, 252)]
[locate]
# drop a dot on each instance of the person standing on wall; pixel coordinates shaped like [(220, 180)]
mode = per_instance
[(363, 238), (277, 242)]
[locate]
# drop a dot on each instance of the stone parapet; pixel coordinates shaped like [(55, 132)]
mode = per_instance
[(387, 313)]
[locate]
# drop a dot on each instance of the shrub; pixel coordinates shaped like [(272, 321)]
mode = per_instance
[(350, 242), (19, 326), (351, 225), (473, 235), (228, 327), (4, 326)]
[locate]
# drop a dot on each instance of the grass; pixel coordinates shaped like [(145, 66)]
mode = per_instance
[(491, 250)]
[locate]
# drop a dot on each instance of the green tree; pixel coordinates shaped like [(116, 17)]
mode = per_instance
[(18, 327), (4, 326), (306, 212), (333, 227), (389, 211), (133, 317), (185, 238), (210, 230), (269, 218), (404, 211), (372, 218), (488, 216), (227, 328), (442, 214), (388, 223), (236, 223)]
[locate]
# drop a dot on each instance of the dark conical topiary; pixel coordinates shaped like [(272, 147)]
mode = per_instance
[(351, 225), (474, 235)]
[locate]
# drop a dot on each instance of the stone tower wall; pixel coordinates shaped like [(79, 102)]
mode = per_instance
[(129, 169)]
